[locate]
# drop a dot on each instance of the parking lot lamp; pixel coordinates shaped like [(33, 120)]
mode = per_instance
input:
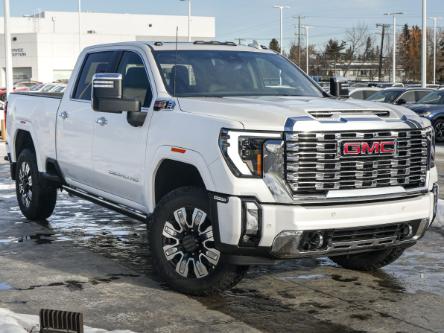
[(307, 46), (424, 45), (189, 19), (394, 44), (281, 8), (8, 51)]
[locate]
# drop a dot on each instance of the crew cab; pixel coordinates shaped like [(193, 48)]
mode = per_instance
[(231, 154)]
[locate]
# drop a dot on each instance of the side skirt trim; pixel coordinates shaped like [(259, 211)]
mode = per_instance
[(122, 209)]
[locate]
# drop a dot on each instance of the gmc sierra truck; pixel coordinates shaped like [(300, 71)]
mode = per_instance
[(231, 154)]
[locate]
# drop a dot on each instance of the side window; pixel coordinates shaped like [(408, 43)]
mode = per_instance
[(100, 62), (420, 94), (136, 84), (409, 96), (358, 95)]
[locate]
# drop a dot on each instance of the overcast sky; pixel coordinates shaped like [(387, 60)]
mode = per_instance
[(257, 19)]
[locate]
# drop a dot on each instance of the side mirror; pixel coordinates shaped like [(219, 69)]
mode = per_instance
[(339, 87), (401, 101), (107, 94)]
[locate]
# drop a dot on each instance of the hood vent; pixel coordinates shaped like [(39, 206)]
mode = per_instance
[(339, 113)]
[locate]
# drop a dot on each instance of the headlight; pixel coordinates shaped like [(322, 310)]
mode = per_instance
[(425, 114), (243, 151)]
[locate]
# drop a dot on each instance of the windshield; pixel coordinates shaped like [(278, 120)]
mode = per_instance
[(436, 97), (385, 96), (231, 73)]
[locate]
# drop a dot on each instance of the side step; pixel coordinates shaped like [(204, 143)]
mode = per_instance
[(135, 214)]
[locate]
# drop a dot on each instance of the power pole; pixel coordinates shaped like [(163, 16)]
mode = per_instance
[(299, 38), (435, 28), (381, 51)]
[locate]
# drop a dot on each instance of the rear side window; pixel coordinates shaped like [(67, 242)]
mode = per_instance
[(409, 97), (100, 62), (421, 93)]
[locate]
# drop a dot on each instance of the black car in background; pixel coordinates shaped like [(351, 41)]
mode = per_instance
[(399, 96), (432, 107)]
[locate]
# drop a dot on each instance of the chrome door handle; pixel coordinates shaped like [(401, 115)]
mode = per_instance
[(102, 121), (63, 115)]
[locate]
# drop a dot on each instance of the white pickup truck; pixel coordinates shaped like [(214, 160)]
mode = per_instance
[(232, 155)]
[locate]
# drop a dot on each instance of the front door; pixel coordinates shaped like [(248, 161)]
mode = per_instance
[(76, 121), (119, 147)]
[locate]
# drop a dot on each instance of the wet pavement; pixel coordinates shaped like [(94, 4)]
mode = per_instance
[(85, 258)]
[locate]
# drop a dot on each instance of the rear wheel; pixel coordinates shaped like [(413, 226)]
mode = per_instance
[(369, 261), (183, 247), (36, 199), (439, 130)]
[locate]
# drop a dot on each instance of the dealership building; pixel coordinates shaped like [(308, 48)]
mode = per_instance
[(45, 46)]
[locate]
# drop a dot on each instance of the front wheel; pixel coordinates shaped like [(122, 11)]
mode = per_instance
[(439, 130), (36, 199), (369, 261), (183, 246)]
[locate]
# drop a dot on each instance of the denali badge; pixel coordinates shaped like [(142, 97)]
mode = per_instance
[(359, 148)]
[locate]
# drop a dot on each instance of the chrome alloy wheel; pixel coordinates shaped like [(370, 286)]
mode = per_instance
[(25, 184), (188, 243)]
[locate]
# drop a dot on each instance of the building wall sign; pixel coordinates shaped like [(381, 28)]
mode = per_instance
[(19, 52)]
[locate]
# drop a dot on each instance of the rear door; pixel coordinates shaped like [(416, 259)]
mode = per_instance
[(119, 148), (76, 121)]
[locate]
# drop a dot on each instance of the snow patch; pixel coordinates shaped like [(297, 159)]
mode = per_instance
[(11, 322), (440, 214), (7, 187)]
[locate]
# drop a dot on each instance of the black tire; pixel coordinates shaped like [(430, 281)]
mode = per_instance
[(369, 261), (35, 197), (220, 277), (438, 125)]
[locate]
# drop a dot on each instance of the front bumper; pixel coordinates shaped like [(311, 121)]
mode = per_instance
[(284, 227)]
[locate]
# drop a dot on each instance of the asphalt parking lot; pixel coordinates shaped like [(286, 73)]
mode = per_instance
[(88, 259)]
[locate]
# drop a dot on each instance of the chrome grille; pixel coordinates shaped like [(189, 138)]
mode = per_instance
[(314, 164)]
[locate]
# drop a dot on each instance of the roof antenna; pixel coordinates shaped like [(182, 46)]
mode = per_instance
[(175, 65)]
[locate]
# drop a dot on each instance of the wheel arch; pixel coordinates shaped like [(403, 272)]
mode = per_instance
[(173, 170)]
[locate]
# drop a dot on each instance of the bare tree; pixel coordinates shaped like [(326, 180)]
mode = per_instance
[(356, 39)]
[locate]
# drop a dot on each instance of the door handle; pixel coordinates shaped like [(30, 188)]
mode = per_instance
[(63, 115), (102, 121)]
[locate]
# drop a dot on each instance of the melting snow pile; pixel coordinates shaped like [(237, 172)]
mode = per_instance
[(439, 222), (11, 322)]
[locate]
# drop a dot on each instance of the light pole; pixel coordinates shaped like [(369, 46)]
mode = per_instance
[(281, 8), (8, 51), (79, 14), (424, 45), (307, 51), (189, 19), (435, 41), (394, 44)]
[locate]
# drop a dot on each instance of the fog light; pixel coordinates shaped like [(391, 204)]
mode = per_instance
[(251, 218), (406, 231)]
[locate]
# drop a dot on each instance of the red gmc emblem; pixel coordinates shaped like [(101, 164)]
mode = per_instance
[(358, 148)]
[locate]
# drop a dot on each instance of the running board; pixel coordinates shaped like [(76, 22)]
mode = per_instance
[(135, 214)]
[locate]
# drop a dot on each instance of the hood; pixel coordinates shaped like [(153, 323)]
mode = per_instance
[(272, 113)]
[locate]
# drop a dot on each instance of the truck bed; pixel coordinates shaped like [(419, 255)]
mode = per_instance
[(40, 94)]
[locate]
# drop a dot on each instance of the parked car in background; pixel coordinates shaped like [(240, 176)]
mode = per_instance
[(18, 86), (363, 93), (399, 96), (432, 108)]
